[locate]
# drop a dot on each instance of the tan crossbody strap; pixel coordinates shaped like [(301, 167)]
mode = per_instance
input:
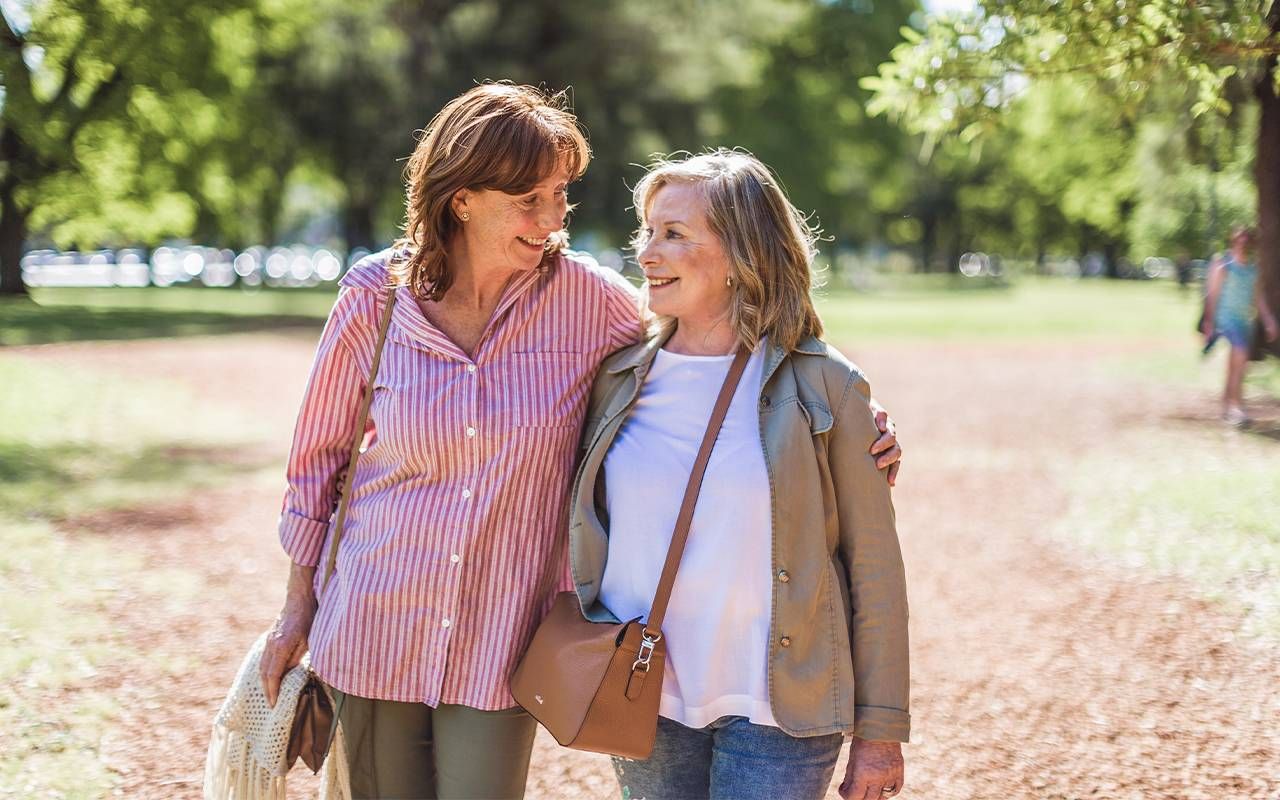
[(653, 626), (344, 498)]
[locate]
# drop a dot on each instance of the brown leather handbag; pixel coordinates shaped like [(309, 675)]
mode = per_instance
[(596, 686), (311, 734)]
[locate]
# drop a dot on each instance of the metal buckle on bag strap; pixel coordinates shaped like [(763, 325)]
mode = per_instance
[(647, 643)]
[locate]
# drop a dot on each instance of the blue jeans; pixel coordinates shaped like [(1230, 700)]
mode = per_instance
[(730, 758)]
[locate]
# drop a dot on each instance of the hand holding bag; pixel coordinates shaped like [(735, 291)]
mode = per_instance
[(596, 686), (254, 745)]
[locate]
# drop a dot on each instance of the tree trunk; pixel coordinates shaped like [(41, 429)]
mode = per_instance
[(1267, 176), (13, 234), (1266, 170), (13, 218)]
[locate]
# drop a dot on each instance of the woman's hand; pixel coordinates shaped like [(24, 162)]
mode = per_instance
[(886, 447), (287, 640), (874, 771)]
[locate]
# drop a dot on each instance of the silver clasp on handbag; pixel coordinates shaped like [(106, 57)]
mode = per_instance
[(647, 643)]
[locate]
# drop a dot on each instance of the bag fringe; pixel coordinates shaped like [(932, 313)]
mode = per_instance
[(232, 773)]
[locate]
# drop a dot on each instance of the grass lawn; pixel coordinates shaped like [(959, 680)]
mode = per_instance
[(71, 443), (61, 315), (911, 307), (1191, 501), (1029, 309)]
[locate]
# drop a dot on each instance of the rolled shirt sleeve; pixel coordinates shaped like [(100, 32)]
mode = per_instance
[(323, 434)]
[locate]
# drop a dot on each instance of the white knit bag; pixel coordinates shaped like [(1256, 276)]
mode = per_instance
[(250, 738)]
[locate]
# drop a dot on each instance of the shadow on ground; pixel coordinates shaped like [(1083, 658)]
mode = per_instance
[(60, 480), (24, 322)]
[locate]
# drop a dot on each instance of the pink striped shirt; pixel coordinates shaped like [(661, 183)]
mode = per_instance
[(458, 509)]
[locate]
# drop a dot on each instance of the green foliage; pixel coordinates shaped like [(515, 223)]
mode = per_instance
[(961, 67), (1103, 107), (129, 122), (855, 170)]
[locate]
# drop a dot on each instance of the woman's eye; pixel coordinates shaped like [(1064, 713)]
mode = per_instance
[(673, 235)]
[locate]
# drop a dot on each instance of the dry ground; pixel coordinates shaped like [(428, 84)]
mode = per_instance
[(1039, 671)]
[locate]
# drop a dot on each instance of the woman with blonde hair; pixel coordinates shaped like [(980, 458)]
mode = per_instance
[(458, 503), (786, 628)]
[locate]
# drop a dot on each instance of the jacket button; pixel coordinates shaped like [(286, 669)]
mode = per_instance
[(765, 402), (783, 577), (785, 641)]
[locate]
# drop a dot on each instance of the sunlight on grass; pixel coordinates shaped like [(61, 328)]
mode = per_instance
[(72, 442), (56, 647), (1030, 309), (1193, 502)]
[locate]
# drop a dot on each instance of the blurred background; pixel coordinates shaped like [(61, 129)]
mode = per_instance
[(1019, 199)]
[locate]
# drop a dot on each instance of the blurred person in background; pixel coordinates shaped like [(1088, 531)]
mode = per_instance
[(786, 629), (459, 504), (1232, 300)]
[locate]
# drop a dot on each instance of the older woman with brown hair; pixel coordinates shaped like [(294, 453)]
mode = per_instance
[(458, 504), (786, 628)]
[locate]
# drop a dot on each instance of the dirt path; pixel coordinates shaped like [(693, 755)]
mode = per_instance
[(1038, 672)]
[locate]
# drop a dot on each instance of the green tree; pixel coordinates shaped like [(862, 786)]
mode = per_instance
[(806, 117), (963, 69), (117, 124)]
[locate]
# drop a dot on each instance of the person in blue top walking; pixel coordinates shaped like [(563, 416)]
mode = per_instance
[(1232, 298)]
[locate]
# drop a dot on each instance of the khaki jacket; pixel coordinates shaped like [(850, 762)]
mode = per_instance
[(838, 659)]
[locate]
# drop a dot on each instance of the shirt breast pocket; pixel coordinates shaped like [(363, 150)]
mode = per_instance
[(544, 390)]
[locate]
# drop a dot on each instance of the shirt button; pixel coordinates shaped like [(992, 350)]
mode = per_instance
[(785, 641), (444, 623), (471, 431), (466, 494), (455, 558), (471, 368), (783, 577)]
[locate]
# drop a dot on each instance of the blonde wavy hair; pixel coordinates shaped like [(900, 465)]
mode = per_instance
[(770, 244), (496, 136)]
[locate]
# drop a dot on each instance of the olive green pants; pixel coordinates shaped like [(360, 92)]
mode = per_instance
[(411, 751)]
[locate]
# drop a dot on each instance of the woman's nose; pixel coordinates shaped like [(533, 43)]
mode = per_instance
[(553, 216), (648, 253)]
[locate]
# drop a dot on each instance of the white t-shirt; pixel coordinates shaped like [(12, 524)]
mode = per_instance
[(717, 623)]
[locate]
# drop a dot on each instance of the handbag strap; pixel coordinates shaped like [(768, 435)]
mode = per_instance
[(357, 439), (653, 625)]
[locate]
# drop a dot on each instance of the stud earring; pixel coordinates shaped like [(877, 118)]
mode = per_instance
[(466, 216), (729, 281)]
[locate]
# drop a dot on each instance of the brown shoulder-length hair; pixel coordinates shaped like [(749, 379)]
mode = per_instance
[(770, 244), (496, 136)]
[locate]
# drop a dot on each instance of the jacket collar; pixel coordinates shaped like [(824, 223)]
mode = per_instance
[(640, 356)]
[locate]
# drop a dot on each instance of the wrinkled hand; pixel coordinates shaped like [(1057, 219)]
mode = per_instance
[(875, 770), (887, 449), (287, 640)]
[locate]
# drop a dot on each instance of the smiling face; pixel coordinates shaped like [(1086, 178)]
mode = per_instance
[(684, 262), (510, 231)]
